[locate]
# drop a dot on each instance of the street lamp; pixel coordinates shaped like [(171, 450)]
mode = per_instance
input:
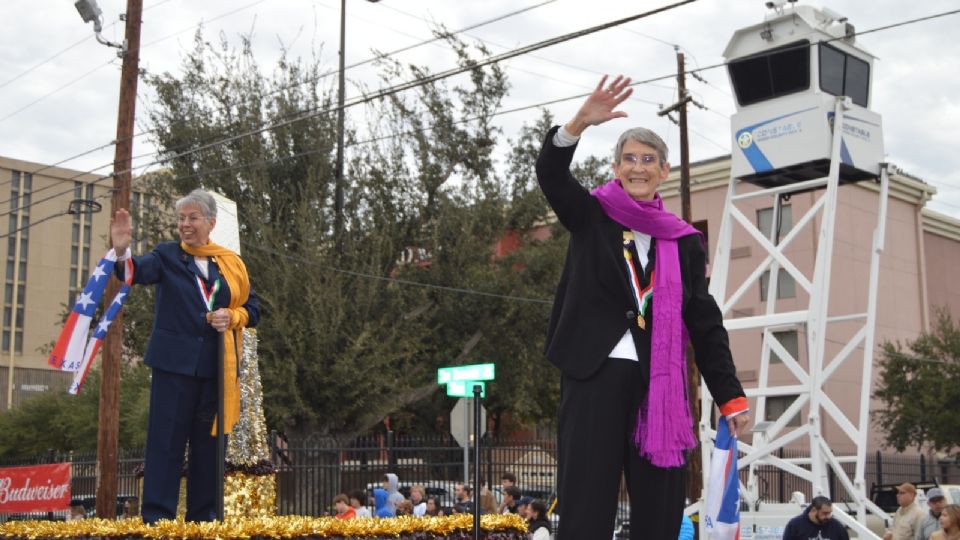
[(90, 12), (338, 178)]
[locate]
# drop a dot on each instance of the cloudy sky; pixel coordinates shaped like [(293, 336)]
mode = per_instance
[(58, 86)]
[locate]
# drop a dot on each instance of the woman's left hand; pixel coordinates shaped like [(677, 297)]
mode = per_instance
[(739, 423), (220, 320)]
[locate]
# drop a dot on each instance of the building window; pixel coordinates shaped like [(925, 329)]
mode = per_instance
[(79, 244), (790, 342), (777, 405), (844, 75), (15, 290), (786, 286), (765, 221), (770, 74)]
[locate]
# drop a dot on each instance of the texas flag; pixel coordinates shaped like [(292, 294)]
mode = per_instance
[(723, 493), (74, 350)]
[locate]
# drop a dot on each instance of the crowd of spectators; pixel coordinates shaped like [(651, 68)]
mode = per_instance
[(388, 501)]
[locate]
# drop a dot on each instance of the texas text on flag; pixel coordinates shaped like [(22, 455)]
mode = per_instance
[(723, 493), (74, 351)]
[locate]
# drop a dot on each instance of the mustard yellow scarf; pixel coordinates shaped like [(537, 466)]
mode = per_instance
[(235, 274)]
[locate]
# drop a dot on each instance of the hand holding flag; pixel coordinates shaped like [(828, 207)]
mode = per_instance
[(723, 491)]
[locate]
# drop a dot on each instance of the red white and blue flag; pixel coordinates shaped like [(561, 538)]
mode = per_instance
[(723, 492), (76, 348)]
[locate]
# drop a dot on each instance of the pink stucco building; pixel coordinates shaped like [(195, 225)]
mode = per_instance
[(921, 251)]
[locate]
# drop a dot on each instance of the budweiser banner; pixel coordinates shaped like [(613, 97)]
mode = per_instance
[(39, 488)]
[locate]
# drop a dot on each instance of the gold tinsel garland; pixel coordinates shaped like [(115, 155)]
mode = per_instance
[(249, 495), (494, 526)]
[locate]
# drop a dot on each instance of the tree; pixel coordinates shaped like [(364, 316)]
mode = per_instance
[(341, 345), (350, 337), (920, 387), (59, 421)]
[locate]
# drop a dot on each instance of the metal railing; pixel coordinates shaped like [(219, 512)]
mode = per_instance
[(312, 470)]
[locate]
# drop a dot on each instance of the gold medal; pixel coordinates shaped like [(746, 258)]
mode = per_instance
[(641, 322)]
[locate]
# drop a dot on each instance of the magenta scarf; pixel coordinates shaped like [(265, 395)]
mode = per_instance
[(664, 425)]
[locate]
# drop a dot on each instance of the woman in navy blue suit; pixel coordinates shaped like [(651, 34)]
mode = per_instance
[(203, 295)]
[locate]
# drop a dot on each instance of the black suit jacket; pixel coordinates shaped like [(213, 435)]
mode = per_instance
[(594, 306)]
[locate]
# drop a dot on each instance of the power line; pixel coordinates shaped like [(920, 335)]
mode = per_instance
[(311, 113), (372, 140), (490, 42), (443, 35), (399, 281), (494, 59), (218, 17), (44, 62), (48, 218), (797, 46), (145, 132), (64, 86), (510, 54), (300, 154), (328, 268), (378, 57), (62, 51), (61, 162), (56, 90), (292, 156)]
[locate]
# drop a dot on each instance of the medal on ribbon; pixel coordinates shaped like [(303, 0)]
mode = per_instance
[(642, 295)]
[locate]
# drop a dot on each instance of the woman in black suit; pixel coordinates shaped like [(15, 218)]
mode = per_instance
[(632, 292)]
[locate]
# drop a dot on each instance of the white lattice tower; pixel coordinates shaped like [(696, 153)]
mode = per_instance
[(815, 320)]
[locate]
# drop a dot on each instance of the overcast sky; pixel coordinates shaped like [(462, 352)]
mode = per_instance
[(58, 86)]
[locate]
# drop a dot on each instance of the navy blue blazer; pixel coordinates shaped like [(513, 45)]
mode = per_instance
[(181, 340)]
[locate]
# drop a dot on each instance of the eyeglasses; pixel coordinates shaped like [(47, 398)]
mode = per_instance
[(633, 160), (192, 218)]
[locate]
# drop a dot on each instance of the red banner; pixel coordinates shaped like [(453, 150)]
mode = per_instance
[(40, 488)]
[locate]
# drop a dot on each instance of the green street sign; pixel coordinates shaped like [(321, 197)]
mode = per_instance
[(475, 372), (465, 388)]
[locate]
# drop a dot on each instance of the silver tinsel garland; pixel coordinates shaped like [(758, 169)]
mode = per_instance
[(247, 444)]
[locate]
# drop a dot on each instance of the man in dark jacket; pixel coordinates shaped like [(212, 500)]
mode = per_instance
[(816, 523), (633, 290)]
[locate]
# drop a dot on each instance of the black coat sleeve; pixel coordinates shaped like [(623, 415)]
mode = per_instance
[(704, 323), (568, 198)]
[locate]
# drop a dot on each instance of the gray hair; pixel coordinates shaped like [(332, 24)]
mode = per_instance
[(201, 198), (643, 136)]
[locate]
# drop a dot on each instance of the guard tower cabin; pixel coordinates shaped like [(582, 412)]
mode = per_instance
[(786, 73)]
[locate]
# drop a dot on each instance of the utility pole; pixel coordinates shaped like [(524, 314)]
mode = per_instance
[(338, 178), (695, 479), (338, 171), (109, 426)]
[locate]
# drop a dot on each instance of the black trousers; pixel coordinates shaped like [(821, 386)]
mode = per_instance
[(182, 409), (597, 422)]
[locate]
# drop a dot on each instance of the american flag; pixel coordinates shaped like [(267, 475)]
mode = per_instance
[(74, 350), (723, 493)]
